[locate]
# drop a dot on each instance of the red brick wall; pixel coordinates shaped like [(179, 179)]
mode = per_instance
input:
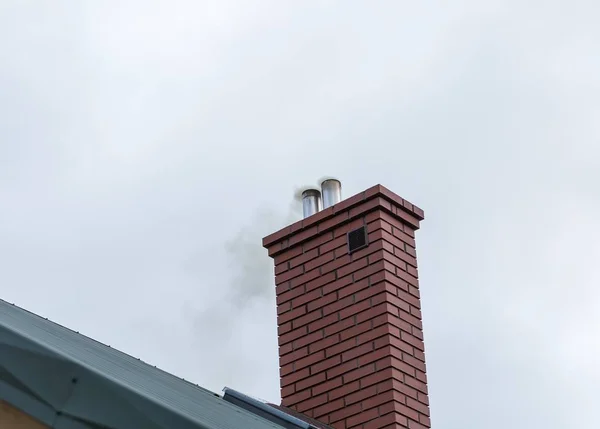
[(350, 333)]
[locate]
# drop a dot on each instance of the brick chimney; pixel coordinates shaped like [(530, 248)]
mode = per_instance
[(349, 316)]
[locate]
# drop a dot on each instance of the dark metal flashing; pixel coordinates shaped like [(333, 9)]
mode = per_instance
[(313, 422), (286, 417), (264, 410)]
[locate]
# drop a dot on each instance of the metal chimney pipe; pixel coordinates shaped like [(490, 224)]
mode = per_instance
[(332, 192), (311, 202)]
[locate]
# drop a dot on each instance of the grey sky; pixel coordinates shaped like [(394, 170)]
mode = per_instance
[(147, 146)]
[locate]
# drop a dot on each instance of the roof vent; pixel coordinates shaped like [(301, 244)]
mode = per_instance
[(357, 239)]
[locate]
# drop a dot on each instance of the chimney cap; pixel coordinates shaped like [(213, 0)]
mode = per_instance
[(328, 178), (310, 191), (299, 192)]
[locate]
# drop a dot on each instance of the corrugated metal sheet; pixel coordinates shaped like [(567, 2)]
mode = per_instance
[(69, 381)]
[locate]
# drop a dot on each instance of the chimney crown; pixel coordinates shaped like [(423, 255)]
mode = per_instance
[(341, 212)]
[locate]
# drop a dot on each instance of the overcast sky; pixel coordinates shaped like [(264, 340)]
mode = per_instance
[(147, 146)]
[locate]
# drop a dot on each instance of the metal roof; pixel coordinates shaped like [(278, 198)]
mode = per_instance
[(69, 381)]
